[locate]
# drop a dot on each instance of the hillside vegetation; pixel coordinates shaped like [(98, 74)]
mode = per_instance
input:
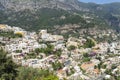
[(47, 14)]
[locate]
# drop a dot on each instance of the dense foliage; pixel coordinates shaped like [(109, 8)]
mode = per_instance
[(71, 48), (10, 34), (47, 51), (35, 74), (89, 43), (57, 65), (8, 69)]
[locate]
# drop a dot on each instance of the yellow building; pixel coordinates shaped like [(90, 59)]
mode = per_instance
[(2, 26), (19, 33)]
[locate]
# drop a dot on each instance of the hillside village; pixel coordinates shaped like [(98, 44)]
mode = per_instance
[(82, 58)]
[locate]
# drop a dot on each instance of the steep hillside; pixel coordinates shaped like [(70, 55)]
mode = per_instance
[(38, 14), (18, 5)]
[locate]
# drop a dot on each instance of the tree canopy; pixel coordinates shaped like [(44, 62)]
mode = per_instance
[(8, 69), (35, 74)]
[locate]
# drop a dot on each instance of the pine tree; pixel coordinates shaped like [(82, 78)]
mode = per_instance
[(7, 67)]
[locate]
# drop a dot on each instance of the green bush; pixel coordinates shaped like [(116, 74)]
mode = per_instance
[(71, 48), (47, 51), (89, 43), (35, 74), (57, 65), (8, 69)]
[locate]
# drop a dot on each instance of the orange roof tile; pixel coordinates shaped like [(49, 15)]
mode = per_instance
[(87, 65), (97, 71)]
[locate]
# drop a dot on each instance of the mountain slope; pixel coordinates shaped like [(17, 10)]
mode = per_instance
[(37, 14), (18, 5)]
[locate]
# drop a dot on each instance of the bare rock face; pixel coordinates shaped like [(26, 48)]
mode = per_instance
[(19, 5)]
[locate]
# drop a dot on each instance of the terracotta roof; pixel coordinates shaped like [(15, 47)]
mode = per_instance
[(97, 71), (87, 65), (60, 71)]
